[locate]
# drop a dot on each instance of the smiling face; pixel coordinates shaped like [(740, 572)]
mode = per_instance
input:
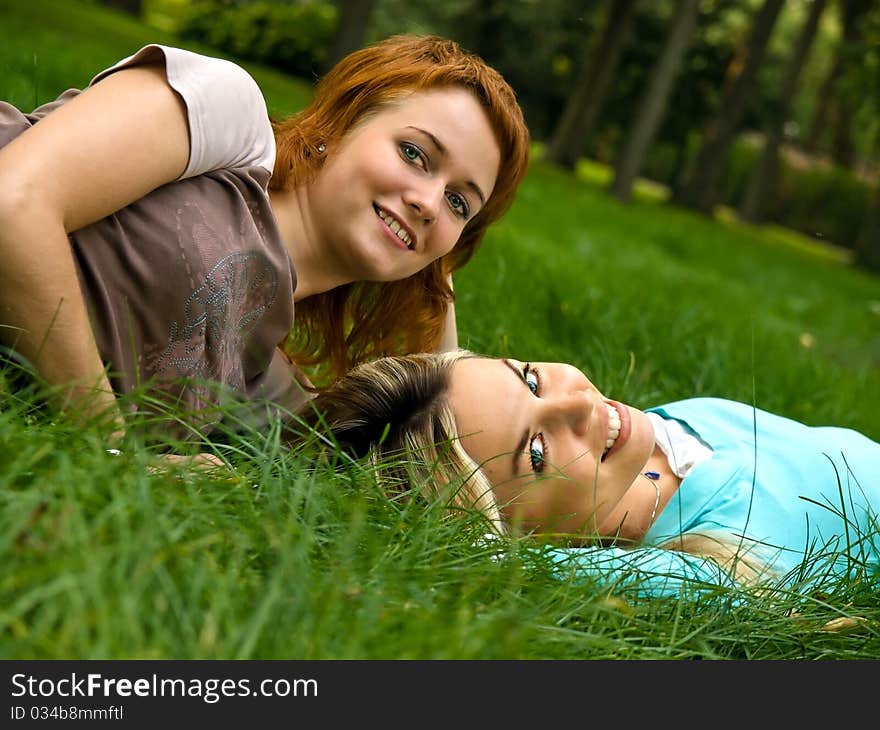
[(560, 456), (397, 191)]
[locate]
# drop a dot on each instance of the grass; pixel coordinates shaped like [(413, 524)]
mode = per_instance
[(52, 45), (288, 557)]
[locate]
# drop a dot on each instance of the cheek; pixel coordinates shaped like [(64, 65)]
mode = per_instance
[(511, 495), (356, 166), (380, 165), (325, 190), (503, 490), (548, 504), (446, 234)]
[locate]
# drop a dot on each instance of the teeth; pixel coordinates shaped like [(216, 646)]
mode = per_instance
[(395, 226), (613, 427)]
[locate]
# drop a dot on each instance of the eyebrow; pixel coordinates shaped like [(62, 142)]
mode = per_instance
[(521, 446), (441, 148)]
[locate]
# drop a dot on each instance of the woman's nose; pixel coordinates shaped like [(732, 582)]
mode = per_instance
[(425, 200), (572, 409)]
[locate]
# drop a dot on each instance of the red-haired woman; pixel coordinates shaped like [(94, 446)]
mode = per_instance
[(157, 228)]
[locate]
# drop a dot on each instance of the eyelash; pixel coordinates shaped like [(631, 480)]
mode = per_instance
[(421, 159), (538, 457), (529, 370)]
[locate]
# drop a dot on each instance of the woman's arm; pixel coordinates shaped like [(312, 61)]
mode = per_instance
[(104, 149)]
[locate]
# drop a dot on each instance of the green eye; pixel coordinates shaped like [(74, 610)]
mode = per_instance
[(458, 204), (411, 153)]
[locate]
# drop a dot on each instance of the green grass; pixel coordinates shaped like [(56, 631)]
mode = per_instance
[(287, 557), (51, 45)]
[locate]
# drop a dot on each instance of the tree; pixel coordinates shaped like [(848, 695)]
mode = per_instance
[(652, 106), (868, 243), (699, 190), (834, 108), (763, 176), (353, 18), (591, 87)]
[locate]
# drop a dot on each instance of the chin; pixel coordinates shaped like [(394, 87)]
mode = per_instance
[(642, 430)]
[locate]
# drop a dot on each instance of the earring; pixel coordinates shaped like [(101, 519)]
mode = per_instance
[(322, 148)]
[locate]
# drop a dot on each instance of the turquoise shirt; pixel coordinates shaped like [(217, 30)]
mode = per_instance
[(808, 496)]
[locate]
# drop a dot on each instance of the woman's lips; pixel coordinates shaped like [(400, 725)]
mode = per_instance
[(389, 224)]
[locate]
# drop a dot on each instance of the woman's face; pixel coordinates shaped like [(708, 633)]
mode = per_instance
[(396, 192), (560, 456)]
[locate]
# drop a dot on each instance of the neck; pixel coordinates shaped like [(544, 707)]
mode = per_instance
[(315, 271), (668, 481)]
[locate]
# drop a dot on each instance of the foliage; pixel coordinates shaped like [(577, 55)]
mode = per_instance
[(53, 45), (292, 36), (814, 197), (700, 80), (825, 200)]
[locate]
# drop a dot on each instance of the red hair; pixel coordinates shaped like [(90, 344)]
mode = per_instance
[(356, 322)]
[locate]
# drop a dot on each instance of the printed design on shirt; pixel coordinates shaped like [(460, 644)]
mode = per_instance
[(210, 342)]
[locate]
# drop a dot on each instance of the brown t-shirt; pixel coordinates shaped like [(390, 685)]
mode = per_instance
[(190, 288)]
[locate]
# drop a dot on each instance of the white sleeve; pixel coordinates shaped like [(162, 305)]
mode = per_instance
[(228, 121)]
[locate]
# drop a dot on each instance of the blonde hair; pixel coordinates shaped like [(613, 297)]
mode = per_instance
[(739, 557), (356, 322), (395, 412)]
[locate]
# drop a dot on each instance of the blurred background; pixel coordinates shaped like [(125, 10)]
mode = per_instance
[(767, 108)]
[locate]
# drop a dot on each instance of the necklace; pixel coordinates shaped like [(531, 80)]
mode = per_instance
[(653, 476)]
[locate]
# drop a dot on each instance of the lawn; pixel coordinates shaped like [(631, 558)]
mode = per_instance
[(289, 557), (51, 45)]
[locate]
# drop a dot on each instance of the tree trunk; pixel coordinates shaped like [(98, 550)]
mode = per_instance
[(868, 242), (833, 109), (762, 179), (700, 189), (653, 104), (578, 121), (478, 31), (867, 245), (351, 29), (825, 103), (842, 147)]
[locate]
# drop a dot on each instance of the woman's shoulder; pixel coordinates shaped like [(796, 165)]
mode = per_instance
[(228, 118), (181, 60)]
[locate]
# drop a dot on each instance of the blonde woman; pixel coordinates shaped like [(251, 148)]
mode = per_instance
[(701, 490)]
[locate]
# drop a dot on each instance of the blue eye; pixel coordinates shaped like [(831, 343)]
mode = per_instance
[(537, 449), (532, 378)]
